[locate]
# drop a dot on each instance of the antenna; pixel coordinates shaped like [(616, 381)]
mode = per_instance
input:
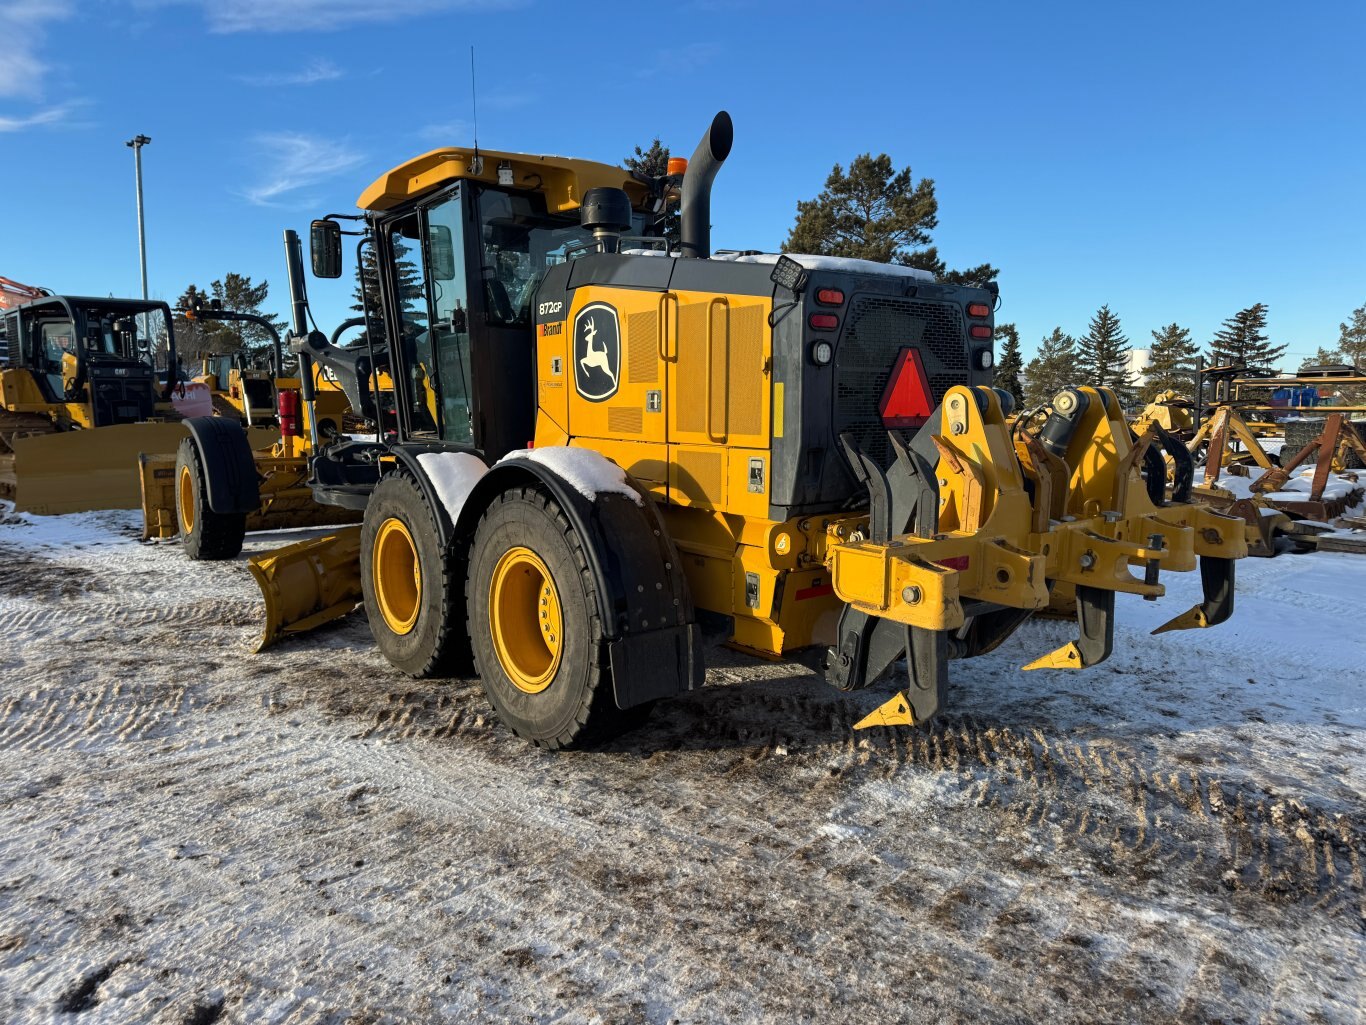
[(477, 164)]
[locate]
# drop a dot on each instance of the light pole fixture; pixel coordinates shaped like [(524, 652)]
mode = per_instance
[(135, 144)]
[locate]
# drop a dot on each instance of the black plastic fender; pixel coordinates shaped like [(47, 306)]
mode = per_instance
[(653, 641), (229, 469)]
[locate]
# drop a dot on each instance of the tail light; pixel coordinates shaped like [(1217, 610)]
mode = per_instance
[(823, 322), (829, 297), (287, 406), (980, 331), (979, 310)]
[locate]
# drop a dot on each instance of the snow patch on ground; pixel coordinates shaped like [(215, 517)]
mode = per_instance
[(453, 475), (586, 471)]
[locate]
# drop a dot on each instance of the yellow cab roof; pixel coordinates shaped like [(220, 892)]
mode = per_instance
[(563, 179)]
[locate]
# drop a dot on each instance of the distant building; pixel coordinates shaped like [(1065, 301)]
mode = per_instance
[(1139, 361)]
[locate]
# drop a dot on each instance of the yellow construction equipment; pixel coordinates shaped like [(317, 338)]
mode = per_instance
[(592, 438), (247, 471), (88, 383)]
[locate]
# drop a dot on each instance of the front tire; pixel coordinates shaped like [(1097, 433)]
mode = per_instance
[(407, 581), (534, 625), (207, 536)]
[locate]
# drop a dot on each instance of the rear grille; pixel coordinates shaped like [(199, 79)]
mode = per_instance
[(877, 328)]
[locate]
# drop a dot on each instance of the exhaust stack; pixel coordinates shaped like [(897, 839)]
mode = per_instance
[(695, 215)]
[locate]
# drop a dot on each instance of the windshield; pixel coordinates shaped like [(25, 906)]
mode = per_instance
[(519, 240), (131, 335)]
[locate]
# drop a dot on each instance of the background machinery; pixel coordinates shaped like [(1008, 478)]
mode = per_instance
[(87, 384), (245, 471), (593, 441)]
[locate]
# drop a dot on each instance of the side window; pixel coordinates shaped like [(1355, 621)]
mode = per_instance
[(447, 291), (405, 252)]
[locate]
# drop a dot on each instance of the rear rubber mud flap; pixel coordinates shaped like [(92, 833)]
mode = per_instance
[(308, 584), (637, 660)]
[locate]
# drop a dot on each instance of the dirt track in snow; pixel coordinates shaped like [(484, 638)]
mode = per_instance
[(191, 834)]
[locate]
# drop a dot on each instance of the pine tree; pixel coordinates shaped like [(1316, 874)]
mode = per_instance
[(1242, 341), (1009, 363), (876, 213), (195, 339), (1172, 365), (1103, 355), (1054, 368), (654, 163), (367, 287), (1352, 339), (237, 293)]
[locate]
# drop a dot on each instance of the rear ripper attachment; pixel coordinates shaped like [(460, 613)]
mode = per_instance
[(970, 530)]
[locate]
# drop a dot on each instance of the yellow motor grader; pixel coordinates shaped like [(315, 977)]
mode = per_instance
[(594, 439), (248, 471)]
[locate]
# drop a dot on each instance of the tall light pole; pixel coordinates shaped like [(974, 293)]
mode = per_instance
[(135, 144)]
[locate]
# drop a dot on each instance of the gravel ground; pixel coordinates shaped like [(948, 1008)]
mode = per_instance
[(193, 834)]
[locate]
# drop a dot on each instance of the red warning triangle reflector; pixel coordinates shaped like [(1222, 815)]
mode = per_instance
[(907, 401)]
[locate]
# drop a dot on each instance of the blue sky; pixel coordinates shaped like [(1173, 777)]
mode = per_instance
[(1177, 161)]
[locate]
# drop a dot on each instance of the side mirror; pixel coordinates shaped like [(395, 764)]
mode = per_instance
[(324, 245), (442, 248)]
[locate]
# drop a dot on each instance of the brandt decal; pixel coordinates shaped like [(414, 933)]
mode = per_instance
[(597, 352)]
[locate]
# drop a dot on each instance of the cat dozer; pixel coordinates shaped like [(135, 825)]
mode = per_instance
[(81, 394), (595, 440)]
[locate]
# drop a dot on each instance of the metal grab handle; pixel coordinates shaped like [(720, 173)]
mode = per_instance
[(711, 434), (664, 353)]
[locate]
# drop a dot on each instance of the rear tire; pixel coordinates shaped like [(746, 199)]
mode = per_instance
[(411, 594), (534, 625), (207, 536)]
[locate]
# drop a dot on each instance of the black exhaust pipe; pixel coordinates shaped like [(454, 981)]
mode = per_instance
[(695, 216)]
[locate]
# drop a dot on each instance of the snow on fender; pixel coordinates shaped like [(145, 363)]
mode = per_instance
[(453, 476), (588, 472)]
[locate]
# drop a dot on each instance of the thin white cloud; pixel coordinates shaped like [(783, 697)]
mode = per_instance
[(316, 71), (297, 161), (50, 116), (680, 60), (447, 133), (323, 15), (22, 32)]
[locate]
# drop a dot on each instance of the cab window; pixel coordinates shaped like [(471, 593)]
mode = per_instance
[(519, 240)]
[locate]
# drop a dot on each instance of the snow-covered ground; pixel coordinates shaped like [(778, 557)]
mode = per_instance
[(190, 833)]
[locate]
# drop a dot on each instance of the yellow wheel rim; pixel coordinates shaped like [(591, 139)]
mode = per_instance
[(525, 618), (397, 576), (187, 497)]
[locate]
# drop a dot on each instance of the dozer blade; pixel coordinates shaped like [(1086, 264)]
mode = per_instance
[(76, 471), (308, 584)]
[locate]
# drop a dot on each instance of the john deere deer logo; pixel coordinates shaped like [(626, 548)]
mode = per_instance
[(597, 352)]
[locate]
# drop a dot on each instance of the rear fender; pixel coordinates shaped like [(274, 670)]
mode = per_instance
[(229, 469), (653, 642)]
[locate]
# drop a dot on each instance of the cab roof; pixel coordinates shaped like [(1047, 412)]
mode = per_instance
[(563, 179)]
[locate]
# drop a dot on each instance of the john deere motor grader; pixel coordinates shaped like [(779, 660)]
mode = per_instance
[(594, 442), (81, 397)]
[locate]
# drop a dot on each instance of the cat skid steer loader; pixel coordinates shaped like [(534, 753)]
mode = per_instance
[(594, 439)]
